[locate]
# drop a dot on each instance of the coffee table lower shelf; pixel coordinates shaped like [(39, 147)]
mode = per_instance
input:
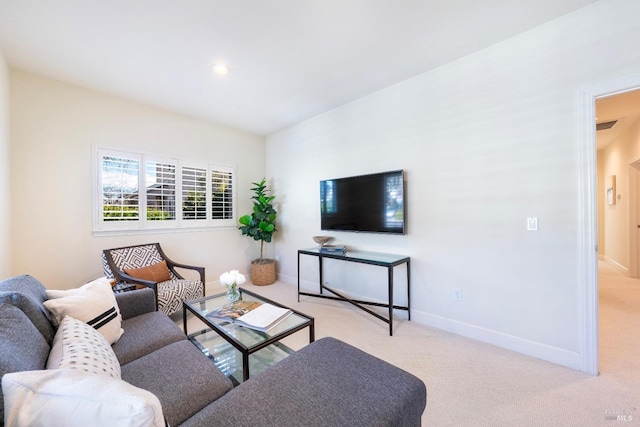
[(229, 360)]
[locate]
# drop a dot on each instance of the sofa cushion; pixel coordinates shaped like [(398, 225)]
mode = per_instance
[(183, 378), (73, 398), (144, 334), (93, 303), (22, 347), (28, 294), (327, 383), (79, 346), (158, 272)]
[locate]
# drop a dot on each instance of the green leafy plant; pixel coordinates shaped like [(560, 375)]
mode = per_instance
[(119, 213), (261, 223)]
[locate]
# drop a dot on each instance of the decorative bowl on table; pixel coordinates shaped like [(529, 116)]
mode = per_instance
[(322, 240)]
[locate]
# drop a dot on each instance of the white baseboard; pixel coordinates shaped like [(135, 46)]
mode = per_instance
[(616, 265), (510, 342)]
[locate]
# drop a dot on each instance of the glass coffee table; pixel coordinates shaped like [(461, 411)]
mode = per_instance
[(236, 350)]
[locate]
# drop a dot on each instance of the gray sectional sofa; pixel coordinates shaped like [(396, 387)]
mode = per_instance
[(327, 383)]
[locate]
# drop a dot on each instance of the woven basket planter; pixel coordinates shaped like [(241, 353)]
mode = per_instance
[(263, 272)]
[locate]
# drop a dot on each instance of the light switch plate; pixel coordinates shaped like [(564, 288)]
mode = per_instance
[(532, 223)]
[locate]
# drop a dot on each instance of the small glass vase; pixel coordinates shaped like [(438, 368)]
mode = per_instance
[(233, 294)]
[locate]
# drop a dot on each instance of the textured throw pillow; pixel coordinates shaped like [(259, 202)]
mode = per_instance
[(79, 346), (73, 398), (94, 303), (155, 272)]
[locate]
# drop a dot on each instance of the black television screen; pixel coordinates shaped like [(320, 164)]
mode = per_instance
[(368, 203)]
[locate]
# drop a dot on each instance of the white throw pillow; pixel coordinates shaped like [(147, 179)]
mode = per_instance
[(74, 398), (77, 345), (93, 303)]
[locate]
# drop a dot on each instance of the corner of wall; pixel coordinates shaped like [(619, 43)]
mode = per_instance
[(5, 185)]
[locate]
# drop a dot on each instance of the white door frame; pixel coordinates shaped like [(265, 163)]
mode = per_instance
[(588, 216)]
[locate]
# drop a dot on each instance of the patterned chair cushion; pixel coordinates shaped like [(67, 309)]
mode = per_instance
[(172, 292), (134, 257)]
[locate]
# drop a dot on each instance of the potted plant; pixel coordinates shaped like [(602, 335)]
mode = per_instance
[(260, 225)]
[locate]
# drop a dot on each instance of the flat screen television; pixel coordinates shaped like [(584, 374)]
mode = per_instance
[(373, 203)]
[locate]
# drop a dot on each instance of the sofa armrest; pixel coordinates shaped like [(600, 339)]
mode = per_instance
[(135, 303)]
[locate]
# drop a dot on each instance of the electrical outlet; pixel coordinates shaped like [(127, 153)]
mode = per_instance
[(457, 294)]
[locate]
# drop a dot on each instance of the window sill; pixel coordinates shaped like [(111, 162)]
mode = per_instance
[(143, 231)]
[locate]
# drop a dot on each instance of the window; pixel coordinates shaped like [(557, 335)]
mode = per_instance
[(120, 188), (175, 193)]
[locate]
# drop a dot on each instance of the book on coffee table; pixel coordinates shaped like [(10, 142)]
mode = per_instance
[(234, 310), (252, 314)]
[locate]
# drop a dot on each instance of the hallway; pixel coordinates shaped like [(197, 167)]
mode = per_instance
[(619, 323)]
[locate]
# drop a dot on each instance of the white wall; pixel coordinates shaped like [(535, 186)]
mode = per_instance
[(486, 141), (5, 186), (54, 127)]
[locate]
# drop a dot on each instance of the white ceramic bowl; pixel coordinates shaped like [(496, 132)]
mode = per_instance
[(322, 240)]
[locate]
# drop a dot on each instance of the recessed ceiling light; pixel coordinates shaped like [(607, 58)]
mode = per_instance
[(220, 69)]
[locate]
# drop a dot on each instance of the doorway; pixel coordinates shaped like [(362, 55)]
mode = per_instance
[(588, 217), (618, 161)]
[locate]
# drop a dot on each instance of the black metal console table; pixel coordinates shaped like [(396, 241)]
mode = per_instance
[(373, 258)]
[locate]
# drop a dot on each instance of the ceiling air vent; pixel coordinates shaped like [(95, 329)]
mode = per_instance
[(606, 125)]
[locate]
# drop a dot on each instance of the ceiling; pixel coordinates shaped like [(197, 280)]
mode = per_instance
[(289, 60), (623, 108)]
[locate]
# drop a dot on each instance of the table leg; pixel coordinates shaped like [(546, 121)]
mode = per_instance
[(409, 289), (184, 319), (245, 366), (298, 276), (321, 276), (390, 273)]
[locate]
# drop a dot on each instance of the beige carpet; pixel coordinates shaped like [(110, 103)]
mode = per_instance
[(470, 383)]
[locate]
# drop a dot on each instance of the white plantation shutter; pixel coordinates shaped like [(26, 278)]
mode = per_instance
[(134, 191), (161, 191), (221, 193), (194, 193)]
